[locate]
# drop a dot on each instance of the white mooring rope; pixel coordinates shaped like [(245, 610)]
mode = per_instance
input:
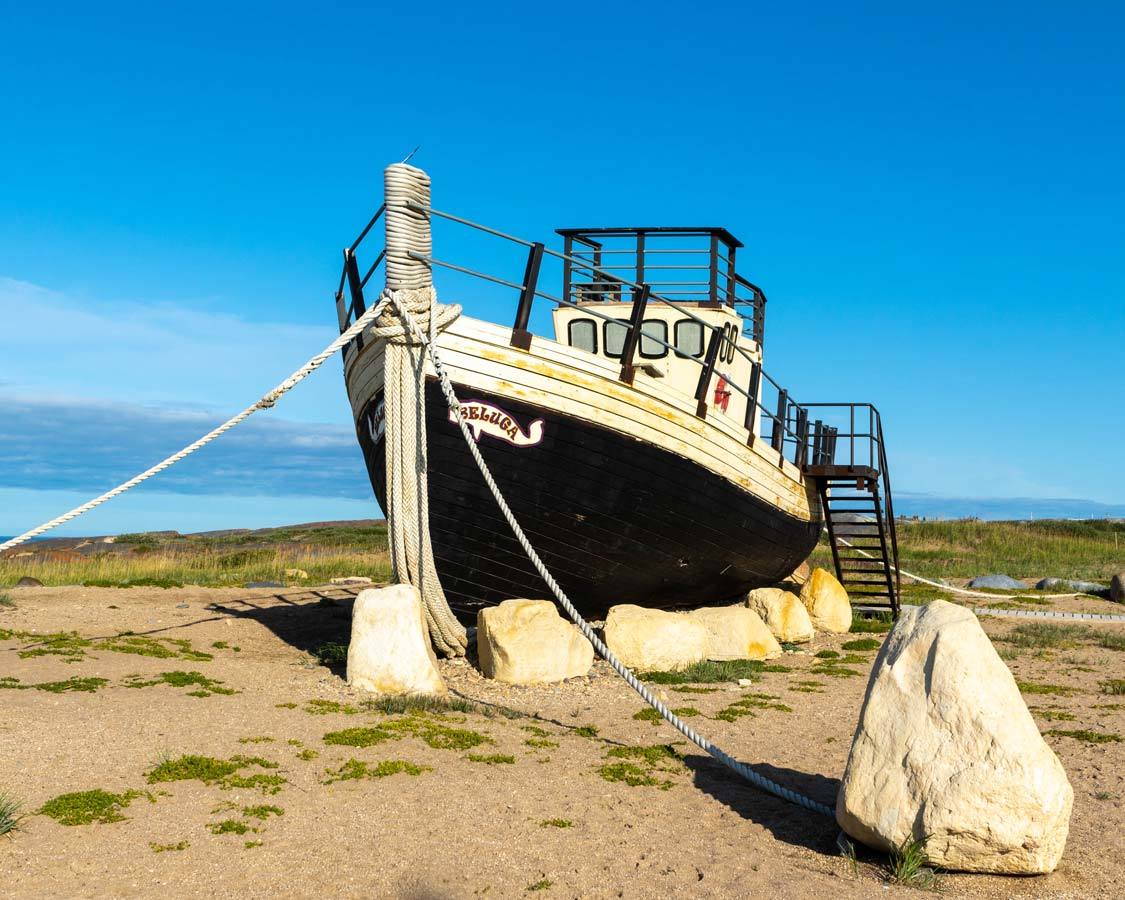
[(670, 717), (267, 400)]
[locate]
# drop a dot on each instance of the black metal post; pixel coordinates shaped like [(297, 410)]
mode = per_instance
[(521, 337), (778, 438), (640, 274), (636, 320), (751, 416), (708, 372), (355, 288), (818, 443), (730, 276), (714, 286), (800, 454)]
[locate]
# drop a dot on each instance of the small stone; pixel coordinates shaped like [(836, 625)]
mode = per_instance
[(784, 614), (946, 751), (736, 632), (352, 579), (1117, 588), (28, 581), (827, 603), (744, 682), (181, 606), (390, 651), (652, 640), (528, 642), (997, 583)]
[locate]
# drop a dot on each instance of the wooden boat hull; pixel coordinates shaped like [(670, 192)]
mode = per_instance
[(619, 511)]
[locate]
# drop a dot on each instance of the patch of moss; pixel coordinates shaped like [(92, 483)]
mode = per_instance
[(435, 734), (327, 707), (64, 643), (826, 654), (1054, 715), (536, 730), (285, 705), (84, 685), (262, 739), (693, 689), (648, 714), (632, 775), (834, 671), (354, 769), (262, 812), (12, 683), (359, 737), (862, 644), (307, 754), (496, 759), (164, 848), (1090, 737), (1031, 687), (87, 807), (556, 823), (204, 686), (586, 731), (652, 755), (223, 772), (249, 845), (541, 743), (708, 672), (228, 826), (746, 705), (540, 885), (158, 648)]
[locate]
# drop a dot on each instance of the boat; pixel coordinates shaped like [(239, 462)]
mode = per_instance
[(639, 442)]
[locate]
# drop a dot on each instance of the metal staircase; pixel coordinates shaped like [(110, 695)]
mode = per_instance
[(855, 496)]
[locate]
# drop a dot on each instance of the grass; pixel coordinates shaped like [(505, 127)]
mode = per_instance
[(641, 766), (1112, 686), (910, 866), (228, 826), (1084, 734), (73, 647), (318, 707), (356, 769), (6, 601), (556, 823), (586, 731), (331, 654), (1044, 635), (359, 737), (224, 772), (495, 759), (9, 813), (399, 704), (648, 714), (1033, 687), (432, 732), (875, 624), (541, 885), (87, 807), (83, 685), (1086, 550), (708, 672), (262, 812), (541, 743), (745, 706), (863, 644), (204, 686)]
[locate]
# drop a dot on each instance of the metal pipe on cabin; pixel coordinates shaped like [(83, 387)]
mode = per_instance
[(633, 338), (751, 416), (708, 372)]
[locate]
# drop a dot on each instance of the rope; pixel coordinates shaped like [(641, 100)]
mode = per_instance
[(671, 718), (965, 591), (267, 401)]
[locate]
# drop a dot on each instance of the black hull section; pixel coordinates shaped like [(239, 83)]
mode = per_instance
[(615, 519)]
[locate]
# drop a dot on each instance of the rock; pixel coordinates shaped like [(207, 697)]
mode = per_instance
[(736, 632), (652, 640), (946, 750), (1047, 584), (997, 582), (264, 584), (1117, 588), (28, 581), (390, 651), (352, 579), (296, 573), (783, 613), (528, 642), (1080, 587), (827, 603), (744, 682)]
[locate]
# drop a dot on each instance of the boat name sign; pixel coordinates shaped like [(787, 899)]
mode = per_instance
[(485, 418)]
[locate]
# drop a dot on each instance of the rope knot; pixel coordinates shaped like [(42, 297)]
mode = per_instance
[(407, 317)]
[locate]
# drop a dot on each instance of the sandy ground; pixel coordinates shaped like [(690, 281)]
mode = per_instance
[(463, 828)]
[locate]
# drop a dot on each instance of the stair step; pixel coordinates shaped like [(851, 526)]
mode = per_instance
[(848, 509), (850, 581)]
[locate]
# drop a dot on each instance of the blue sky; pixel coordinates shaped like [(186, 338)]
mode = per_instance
[(931, 198)]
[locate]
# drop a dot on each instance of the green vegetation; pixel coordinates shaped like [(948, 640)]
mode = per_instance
[(85, 685), (73, 647), (289, 705), (327, 707), (87, 807), (331, 654), (262, 812), (172, 560), (586, 731), (249, 845), (873, 624), (540, 885), (354, 769), (1112, 686), (307, 754), (1111, 640), (359, 737), (432, 731), (204, 686), (164, 848), (708, 672), (6, 601), (910, 866), (746, 705), (640, 765), (228, 826), (421, 703), (223, 772), (1085, 550), (556, 823), (648, 714), (1090, 737), (541, 743), (9, 814), (536, 730), (692, 689), (262, 739), (1043, 635), (1031, 687), (863, 644), (495, 759), (1053, 715)]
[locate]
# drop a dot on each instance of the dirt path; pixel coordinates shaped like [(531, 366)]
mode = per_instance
[(549, 820)]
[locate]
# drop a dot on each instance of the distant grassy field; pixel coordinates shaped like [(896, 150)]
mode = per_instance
[(1090, 550), (171, 560)]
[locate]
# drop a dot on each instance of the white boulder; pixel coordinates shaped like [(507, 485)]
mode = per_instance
[(827, 603), (390, 649), (652, 640), (947, 751), (783, 613), (528, 642), (736, 632)]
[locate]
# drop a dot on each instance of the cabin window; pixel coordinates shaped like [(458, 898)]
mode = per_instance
[(583, 334), (650, 329), (615, 334), (689, 338)]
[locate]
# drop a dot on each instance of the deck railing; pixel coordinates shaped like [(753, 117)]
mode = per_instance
[(791, 432)]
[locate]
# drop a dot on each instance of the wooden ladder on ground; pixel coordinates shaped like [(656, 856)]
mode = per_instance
[(862, 539)]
